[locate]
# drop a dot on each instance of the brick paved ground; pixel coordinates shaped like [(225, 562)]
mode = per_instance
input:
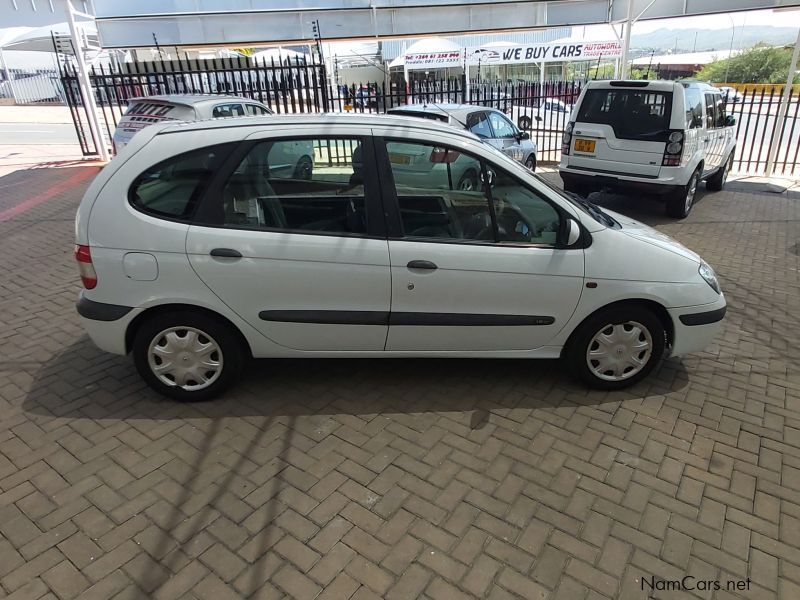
[(397, 479)]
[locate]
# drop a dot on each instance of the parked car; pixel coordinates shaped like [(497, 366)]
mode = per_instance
[(731, 95), (489, 124), (194, 257), (657, 138), (145, 111), (551, 113)]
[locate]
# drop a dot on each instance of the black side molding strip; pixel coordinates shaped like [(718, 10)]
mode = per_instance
[(100, 311), (356, 317), (704, 318)]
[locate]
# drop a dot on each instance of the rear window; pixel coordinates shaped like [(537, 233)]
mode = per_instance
[(153, 112), (172, 187), (632, 114)]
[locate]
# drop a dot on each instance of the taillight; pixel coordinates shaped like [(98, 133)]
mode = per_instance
[(566, 139), (673, 150), (85, 266)]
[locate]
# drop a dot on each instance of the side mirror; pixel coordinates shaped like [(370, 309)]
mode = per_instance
[(730, 121), (573, 232), (489, 176), (523, 135), (538, 118)]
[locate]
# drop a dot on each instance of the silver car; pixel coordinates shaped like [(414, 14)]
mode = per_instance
[(489, 124), (148, 110)]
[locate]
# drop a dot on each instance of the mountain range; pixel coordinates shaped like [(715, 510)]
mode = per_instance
[(691, 40)]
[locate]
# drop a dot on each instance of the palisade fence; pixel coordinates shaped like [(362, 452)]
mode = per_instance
[(542, 109)]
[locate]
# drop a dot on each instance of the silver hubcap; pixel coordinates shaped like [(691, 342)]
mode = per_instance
[(690, 193), (619, 351), (185, 357)]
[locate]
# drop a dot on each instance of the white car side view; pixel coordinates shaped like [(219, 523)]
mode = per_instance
[(198, 250)]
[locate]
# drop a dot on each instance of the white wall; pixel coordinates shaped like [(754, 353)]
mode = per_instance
[(37, 13)]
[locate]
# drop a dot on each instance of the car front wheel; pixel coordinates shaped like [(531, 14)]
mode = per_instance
[(187, 356), (616, 347)]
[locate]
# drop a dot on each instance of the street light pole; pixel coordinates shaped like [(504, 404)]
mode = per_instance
[(730, 50)]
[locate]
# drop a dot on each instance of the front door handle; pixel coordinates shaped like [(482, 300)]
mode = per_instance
[(422, 264), (225, 253)]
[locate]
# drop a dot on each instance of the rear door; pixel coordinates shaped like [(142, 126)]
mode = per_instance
[(713, 138), (303, 261), (621, 131)]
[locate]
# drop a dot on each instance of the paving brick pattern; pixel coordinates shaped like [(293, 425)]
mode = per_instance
[(402, 479)]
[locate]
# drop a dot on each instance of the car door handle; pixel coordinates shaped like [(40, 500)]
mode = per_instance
[(422, 264), (225, 253)]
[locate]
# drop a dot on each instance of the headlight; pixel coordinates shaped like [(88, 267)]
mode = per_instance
[(707, 273)]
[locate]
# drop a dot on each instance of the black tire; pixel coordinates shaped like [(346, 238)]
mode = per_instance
[(304, 168), (716, 182), (530, 163), (230, 354), (679, 205), (575, 352), (524, 122), (468, 181)]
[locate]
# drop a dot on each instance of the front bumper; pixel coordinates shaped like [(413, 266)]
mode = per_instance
[(696, 327)]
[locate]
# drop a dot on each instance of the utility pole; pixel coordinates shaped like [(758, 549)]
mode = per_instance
[(784, 105)]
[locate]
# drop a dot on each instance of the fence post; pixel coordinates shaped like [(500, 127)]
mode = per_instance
[(782, 107), (464, 86), (83, 82)]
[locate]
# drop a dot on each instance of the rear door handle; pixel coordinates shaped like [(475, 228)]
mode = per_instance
[(226, 253), (422, 264)]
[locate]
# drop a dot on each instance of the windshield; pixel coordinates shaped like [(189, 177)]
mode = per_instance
[(638, 114)]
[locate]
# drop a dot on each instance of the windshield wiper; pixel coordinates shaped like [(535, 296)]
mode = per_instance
[(593, 209)]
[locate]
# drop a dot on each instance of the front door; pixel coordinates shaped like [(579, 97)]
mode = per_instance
[(473, 275), (303, 260), (504, 136)]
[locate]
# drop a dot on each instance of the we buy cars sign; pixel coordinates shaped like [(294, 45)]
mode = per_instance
[(509, 55)]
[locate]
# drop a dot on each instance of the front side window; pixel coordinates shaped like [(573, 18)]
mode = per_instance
[(227, 110), (632, 114), (254, 109), (711, 111), (172, 187), (478, 124), (501, 126), (442, 195), (301, 185)]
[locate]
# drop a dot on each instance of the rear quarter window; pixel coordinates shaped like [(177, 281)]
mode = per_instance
[(633, 114), (172, 188)]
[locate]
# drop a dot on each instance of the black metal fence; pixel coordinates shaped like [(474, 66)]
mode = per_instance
[(299, 86)]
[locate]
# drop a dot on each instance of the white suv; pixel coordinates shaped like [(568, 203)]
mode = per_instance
[(198, 249), (657, 137)]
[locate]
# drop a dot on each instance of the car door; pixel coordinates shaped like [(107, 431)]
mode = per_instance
[(303, 261), (712, 141), (505, 136), (469, 275)]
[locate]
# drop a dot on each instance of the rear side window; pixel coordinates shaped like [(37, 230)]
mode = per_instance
[(478, 123), (172, 187), (632, 114), (222, 111), (694, 108)]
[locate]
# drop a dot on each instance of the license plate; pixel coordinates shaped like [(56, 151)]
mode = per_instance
[(399, 159), (584, 145)]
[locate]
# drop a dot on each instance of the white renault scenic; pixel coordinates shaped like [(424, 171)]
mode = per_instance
[(197, 250)]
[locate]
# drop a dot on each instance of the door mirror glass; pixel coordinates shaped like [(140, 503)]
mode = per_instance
[(523, 135), (573, 232)]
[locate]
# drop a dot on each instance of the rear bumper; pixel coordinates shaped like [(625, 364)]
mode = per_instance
[(596, 181), (696, 326), (106, 324)]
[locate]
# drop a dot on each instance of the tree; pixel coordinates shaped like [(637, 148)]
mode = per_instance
[(759, 64)]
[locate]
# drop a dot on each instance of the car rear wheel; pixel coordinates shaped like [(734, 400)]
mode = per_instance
[(187, 356), (530, 162), (680, 203), (524, 122), (616, 347), (717, 181)]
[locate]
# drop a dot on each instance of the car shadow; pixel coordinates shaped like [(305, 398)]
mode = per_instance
[(84, 382), (649, 211)]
